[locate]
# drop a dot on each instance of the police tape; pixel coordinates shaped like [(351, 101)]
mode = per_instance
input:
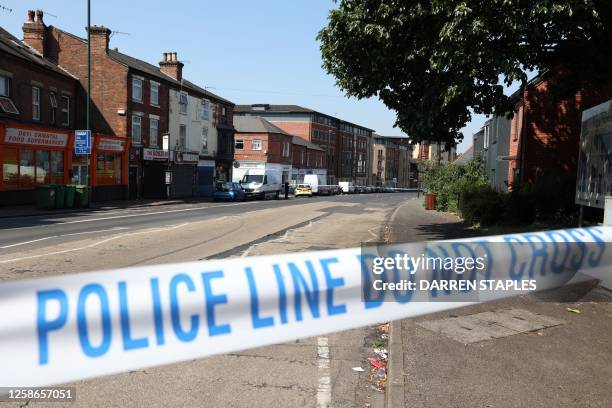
[(72, 327)]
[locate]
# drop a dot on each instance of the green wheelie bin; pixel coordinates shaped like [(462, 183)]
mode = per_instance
[(69, 196), (81, 197), (45, 197), (60, 194)]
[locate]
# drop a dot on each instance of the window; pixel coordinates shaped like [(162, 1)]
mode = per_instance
[(256, 144), (183, 103), (137, 89), (205, 109), (239, 144), (65, 110), (286, 147), (5, 86), (22, 168), (108, 169), (53, 103), (204, 140), (154, 94), (223, 111), (153, 132), (35, 103), (136, 130), (182, 136)]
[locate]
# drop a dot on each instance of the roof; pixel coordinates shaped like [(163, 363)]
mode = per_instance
[(154, 71), (149, 69), (465, 156), (255, 124), (268, 108), (12, 45), (303, 142)]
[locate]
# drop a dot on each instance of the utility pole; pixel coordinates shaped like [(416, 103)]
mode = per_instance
[(88, 124)]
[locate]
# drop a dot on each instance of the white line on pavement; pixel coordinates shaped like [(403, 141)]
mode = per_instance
[(324, 388)]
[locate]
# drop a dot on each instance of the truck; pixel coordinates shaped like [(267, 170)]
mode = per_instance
[(262, 183), (347, 187), (318, 186)]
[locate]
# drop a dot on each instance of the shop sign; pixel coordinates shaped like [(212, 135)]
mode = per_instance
[(35, 137), (155, 154), (110, 145), (186, 157)]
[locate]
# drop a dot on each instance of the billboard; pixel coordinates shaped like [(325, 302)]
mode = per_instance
[(594, 181)]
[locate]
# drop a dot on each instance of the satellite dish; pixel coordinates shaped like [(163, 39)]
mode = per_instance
[(236, 164)]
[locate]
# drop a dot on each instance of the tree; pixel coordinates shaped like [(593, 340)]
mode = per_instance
[(433, 61)]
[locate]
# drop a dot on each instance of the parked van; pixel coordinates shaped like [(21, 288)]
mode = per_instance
[(347, 187), (262, 183), (318, 185)]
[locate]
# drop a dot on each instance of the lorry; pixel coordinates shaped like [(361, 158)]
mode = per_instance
[(262, 183), (318, 186), (347, 187)]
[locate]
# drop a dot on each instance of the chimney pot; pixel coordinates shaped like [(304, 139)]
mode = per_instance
[(174, 57), (31, 16), (39, 16)]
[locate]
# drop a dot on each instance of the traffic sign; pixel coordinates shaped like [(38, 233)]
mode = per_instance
[(82, 142)]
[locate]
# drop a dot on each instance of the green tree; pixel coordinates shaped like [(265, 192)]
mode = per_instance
[(433, 61)]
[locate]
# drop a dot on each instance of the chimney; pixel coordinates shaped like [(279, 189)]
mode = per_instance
[(34, 32), (171, 66), (100, 36)]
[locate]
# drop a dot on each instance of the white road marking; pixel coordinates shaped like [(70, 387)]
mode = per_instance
[(27, 242), (127, 216), (91, 245), (324, 387)]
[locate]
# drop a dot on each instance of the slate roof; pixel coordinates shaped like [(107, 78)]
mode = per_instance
[(14, 46)]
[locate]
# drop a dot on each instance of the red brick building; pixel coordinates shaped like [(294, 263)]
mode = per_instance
[(545, 131), (346, 145), (38, 115)]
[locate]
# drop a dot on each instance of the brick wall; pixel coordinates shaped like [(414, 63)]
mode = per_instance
[(551, 130), (109, 90), (271, 148), (25, 75)]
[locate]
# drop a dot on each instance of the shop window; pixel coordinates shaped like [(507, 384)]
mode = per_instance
[(65, 110), (35, 103), (27, 169), (10, 166), (57, 167), (108, 169), (43, 175)]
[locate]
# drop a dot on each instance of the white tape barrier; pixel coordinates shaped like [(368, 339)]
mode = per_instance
[(72, 327)]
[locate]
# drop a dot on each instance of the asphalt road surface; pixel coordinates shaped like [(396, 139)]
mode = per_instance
[(287, 375)]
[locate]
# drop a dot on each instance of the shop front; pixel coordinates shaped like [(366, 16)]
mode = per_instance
[(155, 164), (184, 174), (30, 156), (109, 168)]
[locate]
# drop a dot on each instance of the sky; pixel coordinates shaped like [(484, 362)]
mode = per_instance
[(245, 51)]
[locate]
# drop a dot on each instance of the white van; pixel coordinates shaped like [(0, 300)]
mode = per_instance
[(262, 183)]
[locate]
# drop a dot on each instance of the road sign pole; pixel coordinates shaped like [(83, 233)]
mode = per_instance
[(88, 93)]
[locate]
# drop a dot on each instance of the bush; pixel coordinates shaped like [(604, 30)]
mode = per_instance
[(448, 181), (482, 205)]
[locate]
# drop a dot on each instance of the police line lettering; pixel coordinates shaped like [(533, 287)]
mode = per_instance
[(71, 327)]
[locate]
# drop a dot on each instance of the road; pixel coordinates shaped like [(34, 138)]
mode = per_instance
[(315, 372)]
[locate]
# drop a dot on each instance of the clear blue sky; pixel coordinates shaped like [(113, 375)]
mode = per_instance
[(246, 51)]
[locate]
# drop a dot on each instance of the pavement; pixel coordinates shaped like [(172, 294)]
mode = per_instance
[(541, 353)]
